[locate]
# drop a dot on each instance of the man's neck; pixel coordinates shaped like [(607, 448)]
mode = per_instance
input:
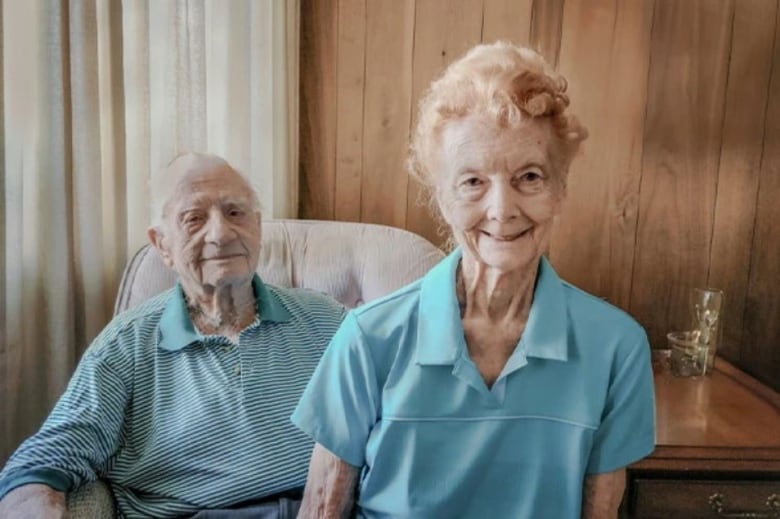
[(225, 311)]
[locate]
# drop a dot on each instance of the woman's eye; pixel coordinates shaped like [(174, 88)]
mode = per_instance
[(531, 176), (530, 181)]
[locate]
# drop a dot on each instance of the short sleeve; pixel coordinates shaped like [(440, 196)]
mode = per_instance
[(627, 430), (80, 435), (341, 402)]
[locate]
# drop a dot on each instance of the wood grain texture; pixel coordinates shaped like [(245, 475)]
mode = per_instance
[(760, 354), (350, 84), (507, 20), (389, 39), (605, 57), (319, 29), (690, 49), (546, 26), (710, 412), (443, 31), (740, 162)]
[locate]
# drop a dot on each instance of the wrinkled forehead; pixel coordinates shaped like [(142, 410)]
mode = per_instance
[(214, 184), (477, 141)]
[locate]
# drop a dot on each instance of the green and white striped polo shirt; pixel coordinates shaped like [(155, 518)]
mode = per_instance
[(178, 422)]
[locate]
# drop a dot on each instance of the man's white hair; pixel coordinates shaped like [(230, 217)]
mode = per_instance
[(163, 184)]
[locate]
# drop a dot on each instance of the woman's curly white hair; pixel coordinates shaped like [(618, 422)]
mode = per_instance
[(504, 82)]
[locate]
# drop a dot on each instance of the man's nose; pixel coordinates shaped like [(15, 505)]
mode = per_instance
[(503, 203), (219, 230)]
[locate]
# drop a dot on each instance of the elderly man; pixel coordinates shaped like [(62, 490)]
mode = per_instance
[(182, 404)]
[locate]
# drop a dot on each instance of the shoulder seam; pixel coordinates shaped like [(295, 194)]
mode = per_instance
[(377, 303)]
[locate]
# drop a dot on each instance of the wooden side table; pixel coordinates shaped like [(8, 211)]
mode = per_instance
[(717, 450)]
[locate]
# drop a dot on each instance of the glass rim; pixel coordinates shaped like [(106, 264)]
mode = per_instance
[(682, 338)]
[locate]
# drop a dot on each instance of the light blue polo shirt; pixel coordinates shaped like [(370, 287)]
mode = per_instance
[(177, 421), (397, 395)]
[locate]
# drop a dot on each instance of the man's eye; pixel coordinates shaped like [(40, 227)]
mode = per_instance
[(193, 219), (471, 182), (235, 213)]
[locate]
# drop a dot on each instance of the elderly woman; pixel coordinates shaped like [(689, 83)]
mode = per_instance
[(489, 388)]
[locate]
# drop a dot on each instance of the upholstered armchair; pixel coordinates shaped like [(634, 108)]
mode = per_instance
[(352, 262)]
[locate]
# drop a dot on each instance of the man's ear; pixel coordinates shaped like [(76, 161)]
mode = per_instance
[(157, 239)]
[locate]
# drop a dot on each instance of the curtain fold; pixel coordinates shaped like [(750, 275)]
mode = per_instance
[(97, 96)]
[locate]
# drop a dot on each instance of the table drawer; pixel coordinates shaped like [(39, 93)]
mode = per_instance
[(692, 499)]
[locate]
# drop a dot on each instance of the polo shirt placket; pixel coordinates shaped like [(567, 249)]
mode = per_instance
[(230, 359)]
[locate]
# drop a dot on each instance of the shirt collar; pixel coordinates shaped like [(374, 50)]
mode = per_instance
[(440, 333), (177, 330)]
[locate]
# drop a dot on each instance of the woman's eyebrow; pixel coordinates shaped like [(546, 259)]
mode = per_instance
[(526, 164)]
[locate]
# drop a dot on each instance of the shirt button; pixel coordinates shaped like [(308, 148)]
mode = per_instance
[(237, 370)]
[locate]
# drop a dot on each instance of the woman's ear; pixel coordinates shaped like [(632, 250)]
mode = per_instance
[(158, 241)]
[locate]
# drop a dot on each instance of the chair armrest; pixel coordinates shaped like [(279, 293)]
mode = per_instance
[(92, 501)]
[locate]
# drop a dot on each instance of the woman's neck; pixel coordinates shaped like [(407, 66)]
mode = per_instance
[(493, 295)]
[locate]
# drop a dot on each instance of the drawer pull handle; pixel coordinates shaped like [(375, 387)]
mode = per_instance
[(717, 503)]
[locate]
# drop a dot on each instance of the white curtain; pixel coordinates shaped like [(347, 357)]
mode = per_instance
[(98, 95)]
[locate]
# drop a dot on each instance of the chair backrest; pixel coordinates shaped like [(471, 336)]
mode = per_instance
[(352, 262)]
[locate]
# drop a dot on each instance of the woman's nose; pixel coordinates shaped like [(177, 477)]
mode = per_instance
[(503, 204)]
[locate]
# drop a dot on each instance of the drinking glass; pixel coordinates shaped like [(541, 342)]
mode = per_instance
[(687, 358), (707, 305)]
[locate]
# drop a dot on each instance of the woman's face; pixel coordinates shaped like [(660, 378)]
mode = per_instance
[(498, 191)]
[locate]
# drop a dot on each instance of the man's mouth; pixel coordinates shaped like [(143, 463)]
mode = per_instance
[(223, 257)]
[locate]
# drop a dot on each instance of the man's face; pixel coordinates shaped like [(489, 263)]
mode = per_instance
[(211, 233)]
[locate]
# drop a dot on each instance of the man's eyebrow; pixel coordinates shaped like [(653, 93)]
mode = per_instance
[(236, 201), (197, 201)]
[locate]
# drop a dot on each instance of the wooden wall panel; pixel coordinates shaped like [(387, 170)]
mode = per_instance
[(761, 340), (350, 83), (740, 162), (507, 20), (387, 102), (443, 31), (605, 55), (318, 108), (690, 51), (546, 26)]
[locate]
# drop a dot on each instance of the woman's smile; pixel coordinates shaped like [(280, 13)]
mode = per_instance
[(506, 237)]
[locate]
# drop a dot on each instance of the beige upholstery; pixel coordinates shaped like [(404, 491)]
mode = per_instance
[(353, 262)]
